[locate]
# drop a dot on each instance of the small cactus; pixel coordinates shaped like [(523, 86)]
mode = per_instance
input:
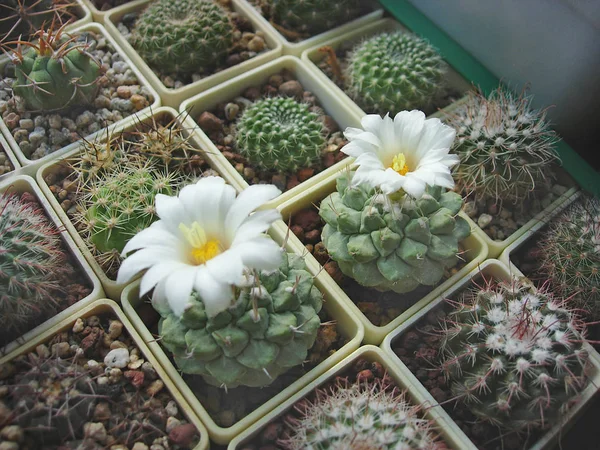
[(391, 72), (569, 254), (183, 36), (30, 253), (310, 17), (360, 416), (55, 72), (280, 134), (506, 149), (514, 354)]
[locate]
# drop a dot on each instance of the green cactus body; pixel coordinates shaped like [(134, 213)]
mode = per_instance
[(569, 254), (514, 354), (183, 36), (505, 148), (30, 253), (360, 417), (48, 82), (267, 331), (392, 72), (388, 244), (280, 134), (312, 17), (120, 204)]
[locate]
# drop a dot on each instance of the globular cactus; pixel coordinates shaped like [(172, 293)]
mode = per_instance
[(55, 72), (506, 149), (183, 36), (120, 203), (391, 245), (514, 354), (30, 254), (392, 72), (268, 330), (280, 134), (310, 17), (360, 416), (569, 254)]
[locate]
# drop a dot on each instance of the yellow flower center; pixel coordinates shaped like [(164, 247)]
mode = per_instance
[(203, 249), (399, 164)]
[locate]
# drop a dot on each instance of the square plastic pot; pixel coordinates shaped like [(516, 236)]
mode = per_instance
[(296, 48), (347, 325), (372, 354), (35, 164), (10, 156), (20, 184), (111, 287), (475, 253), (312, 56), (105, 306), (99, 15), (235, 87), (490, 269), (171, 96)]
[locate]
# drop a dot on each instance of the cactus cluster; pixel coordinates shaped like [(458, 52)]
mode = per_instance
[(280, 134), (569, 254), (360, 416), (55, 71), (392, 245), (506, 149), (310, 17), (391, 72), (183, 36), (30, 254), (514, 354), (267, 331)]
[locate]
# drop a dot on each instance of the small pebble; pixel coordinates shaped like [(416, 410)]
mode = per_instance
[(155, 387), (95, 431), (291, 88), (78, 326), (484, 220), (118, 357)]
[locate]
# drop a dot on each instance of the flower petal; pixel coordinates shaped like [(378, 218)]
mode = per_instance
[(371, 123), (171, 211), (261, 253), (216, 296), (178, 286), (256, 224), (157, 235), (249, 200), (226, 267), (141, 260), (157, 273)]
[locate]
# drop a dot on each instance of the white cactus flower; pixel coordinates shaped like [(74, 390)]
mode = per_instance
[(408, 152), (206, 240)]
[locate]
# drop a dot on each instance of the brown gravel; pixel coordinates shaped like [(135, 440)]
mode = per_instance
[(5, 164)]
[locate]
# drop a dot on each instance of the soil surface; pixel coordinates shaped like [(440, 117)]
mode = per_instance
[(5, 164)]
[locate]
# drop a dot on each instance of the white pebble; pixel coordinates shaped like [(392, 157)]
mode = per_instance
[(119, 357)]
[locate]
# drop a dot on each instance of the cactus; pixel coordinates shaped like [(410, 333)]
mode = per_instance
[(569, 254), (310, 17), (392, 244), (268, 330), (505, 148), (514, 354), (360, 416), (55, 72), (391, 72), (280, 134), (183, 36), (25, 17), (30, 254)]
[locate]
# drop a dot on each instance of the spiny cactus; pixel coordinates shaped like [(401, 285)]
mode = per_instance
[(55, 72), (514, 354), (310, 17), (360, 416), (183, 35), (25, 17), (569, 254), (392, 72), (30, 253), (506, 149), (266, 332), (280, 134), (391, 245)]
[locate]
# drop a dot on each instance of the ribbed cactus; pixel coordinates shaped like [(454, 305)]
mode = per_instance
[(506, 149), (391, 72), (280, 134), (360, 416), (183, 36), (267, 331), (55, 72), (30, 254), (311, 17), (514, 354), (392, 245), (569, 254)]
